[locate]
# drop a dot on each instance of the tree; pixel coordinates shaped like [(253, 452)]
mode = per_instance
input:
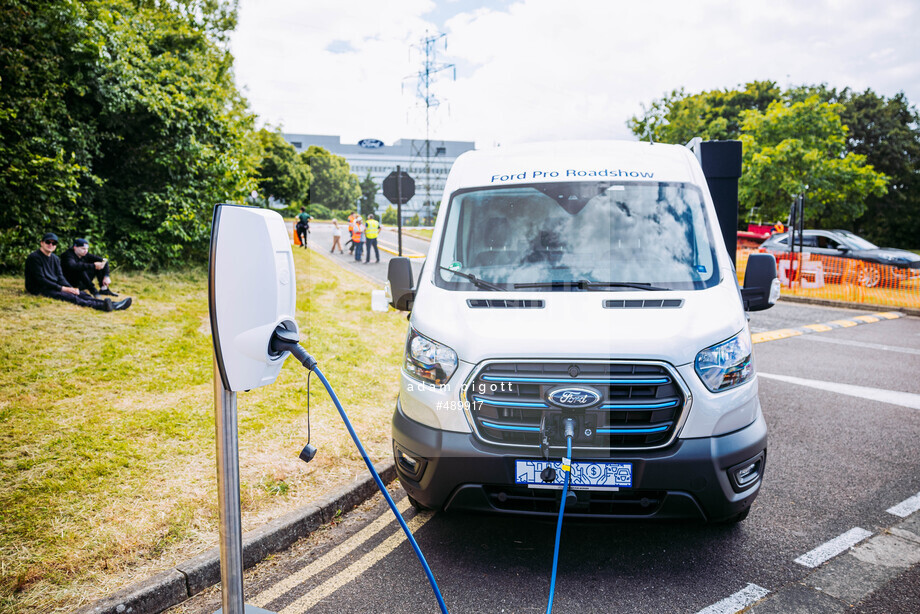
[(334, 185), (715, 115), (368, 195), (282, 174), (43, 159), (174, 129), (887, 133), (120, 121), (867, 138), (800, 148)]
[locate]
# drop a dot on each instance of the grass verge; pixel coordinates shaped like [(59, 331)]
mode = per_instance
[(107, 440)]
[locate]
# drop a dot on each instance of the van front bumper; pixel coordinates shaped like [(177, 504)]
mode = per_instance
[(688, 479)]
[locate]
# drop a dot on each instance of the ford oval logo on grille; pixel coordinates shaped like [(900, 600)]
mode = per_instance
[(573, 398)]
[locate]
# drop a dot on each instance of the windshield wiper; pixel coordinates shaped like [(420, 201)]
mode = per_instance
[(584, 284), (479, 283)]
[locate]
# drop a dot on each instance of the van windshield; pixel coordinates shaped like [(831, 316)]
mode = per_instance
[(578, 236)]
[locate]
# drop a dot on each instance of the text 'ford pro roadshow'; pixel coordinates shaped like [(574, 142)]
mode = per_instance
[(583, 280)]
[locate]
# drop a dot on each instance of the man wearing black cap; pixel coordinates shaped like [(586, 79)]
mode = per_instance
[(81, 268), (44, 277)]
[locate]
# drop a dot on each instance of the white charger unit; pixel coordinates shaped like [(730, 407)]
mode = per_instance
[(251, 291)]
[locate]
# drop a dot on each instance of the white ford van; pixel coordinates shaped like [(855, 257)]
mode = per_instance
[(583, 280)]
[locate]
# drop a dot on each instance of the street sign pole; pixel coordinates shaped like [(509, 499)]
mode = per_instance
[(399, 208), (398, 194)]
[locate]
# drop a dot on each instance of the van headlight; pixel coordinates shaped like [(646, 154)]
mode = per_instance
[(727, 364), (429, 360)]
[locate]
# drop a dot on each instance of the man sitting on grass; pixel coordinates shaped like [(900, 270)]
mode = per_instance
[(82, 268), (45, 277)]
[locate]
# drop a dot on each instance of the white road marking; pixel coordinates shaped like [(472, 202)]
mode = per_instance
[(906, 507), (863, 344), (331, 557), (354, 570), (904, 399), (832, 548), (737, 602)]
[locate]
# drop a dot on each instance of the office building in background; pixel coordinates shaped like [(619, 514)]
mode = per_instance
[(374, 157)]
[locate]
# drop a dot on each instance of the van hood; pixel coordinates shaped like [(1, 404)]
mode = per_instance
[(577, 325)]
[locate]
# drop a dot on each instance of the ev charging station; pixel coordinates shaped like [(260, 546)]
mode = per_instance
[(251, 292), (252, 301)]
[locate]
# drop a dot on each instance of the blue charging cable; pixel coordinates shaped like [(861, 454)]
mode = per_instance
[(567, 468), (386, 494), (286, 340)]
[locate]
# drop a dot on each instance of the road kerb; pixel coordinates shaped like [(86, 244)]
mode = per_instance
[(194, 575)]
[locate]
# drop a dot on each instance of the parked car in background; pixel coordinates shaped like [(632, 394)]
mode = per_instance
[(838, 249)]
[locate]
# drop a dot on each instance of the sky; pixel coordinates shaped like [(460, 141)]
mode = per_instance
[(514, 71)]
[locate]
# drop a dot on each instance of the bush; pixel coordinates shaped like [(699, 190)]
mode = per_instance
[(320, 212), (389, 216), (290, 211), (413, 221)]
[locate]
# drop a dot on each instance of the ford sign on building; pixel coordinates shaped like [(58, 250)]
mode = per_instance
[(371, 143)]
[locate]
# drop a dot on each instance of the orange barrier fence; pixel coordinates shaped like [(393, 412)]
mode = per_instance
[(841, 279)]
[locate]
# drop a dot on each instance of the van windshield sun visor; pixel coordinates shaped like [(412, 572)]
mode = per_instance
[(578, 235)]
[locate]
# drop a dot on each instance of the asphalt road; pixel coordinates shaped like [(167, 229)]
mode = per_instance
[(839, 457), (320, 240)]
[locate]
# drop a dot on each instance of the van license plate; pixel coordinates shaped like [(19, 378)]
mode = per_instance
[(585, 474)]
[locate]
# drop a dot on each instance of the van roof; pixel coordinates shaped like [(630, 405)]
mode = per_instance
[(573, 161)]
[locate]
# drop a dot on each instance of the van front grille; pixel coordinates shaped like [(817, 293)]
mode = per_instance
[(636, 405)]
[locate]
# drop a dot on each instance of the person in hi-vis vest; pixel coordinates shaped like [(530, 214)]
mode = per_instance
[(372, 230), (357, 231), (351, 230)]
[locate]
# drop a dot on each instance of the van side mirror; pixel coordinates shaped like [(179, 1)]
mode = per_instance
[(761, 286), (400, 291)]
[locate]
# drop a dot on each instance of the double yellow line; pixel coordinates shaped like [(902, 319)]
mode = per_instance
[(785, 333), (351, 572), (391, 249)]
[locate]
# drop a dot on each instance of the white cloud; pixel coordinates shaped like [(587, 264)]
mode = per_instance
[(543, 69), (327, 67)]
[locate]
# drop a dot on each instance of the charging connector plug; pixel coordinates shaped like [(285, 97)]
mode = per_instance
[(308, 452), (568, 425), (284, 340)]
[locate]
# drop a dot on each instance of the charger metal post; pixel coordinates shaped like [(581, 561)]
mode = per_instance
[(251, 292)]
